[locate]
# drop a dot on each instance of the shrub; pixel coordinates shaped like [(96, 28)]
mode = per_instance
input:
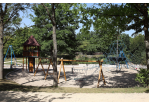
[(143, 77)]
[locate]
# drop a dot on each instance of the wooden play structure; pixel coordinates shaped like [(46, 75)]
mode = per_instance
[(31, 51), (40, 63), (100, 71)]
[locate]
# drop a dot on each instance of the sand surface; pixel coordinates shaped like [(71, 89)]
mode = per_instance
[(113, 78)]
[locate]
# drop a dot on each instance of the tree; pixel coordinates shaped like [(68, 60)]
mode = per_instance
[(9, 18), (67, 23), (137, 48), (122, 15), (94, 41), (21, 35), (53, 21), (127, 13)]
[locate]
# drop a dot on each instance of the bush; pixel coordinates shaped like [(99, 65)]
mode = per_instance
[(143, 77)]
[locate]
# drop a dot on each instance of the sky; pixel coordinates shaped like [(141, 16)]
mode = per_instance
[(26, 21)]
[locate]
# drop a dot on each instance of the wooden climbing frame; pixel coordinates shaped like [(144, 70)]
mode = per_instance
[(46, 74), (100, 71), (23, 63)]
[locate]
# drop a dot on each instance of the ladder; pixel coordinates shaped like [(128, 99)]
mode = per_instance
[(11, 49)]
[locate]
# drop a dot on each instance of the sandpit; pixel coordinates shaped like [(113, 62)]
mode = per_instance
[(114, 79)]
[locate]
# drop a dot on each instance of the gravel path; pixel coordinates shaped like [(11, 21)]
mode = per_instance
[(10, 96)]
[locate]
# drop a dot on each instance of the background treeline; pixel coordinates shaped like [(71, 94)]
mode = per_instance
[(69, 42), (88, 44)]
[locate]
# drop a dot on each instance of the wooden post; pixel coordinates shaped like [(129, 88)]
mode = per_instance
[(99, 74), (43, 69), (26, 64), (64, 71), (100, 71), (103, 77), (62, 64), (48, 69), (38, 66)]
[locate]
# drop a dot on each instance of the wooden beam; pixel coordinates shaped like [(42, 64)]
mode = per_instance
[(44, 58), (80, 60)]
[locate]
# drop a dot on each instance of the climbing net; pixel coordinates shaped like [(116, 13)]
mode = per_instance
[(83, 73)]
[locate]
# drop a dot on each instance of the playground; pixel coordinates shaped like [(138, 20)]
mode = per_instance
[(120, 79), (36, 72)]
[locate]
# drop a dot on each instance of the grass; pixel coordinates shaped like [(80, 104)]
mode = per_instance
[(9, 59), (8, 85)]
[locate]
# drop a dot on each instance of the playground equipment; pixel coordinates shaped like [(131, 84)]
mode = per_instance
[(31, 51), (100, 71), (85, 70), (46, 74), (11, 50), (117, 55)]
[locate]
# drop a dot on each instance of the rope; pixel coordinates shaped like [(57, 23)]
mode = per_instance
[(85, 69)]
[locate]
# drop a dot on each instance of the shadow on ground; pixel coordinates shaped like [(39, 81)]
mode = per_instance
[(113, 79), (30, 97), (120, 79)]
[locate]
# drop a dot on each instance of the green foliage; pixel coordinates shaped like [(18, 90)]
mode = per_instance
[(18, 40), (137, 48), (11, 17), (143, 77), (67, 23), (94, 41)]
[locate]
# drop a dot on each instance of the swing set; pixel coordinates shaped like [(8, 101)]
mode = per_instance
[(11, 50), (100, 71), (40, 63)]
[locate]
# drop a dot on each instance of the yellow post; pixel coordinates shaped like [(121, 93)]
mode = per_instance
[(64, 70), (62, 64), (100, 71)]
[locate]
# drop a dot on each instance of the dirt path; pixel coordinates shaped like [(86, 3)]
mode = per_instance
[(10, 96)]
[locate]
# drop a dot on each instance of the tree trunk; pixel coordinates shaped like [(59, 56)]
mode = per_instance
[(55, 76), (1, 49), (146, 37)]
